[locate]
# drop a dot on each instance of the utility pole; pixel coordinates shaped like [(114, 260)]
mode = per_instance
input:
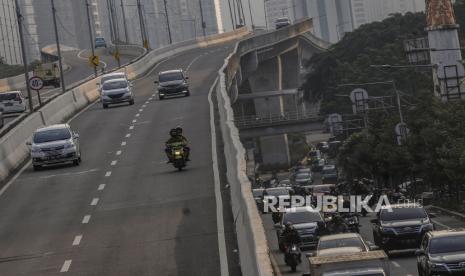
[(110, 19), (251, 17), (266, 13), (204, 26), (19, 17), (168, 23), (398, 101), (60, 64), (124, 22), (143, 34), (233, 21), (91, 37), (238, 3)]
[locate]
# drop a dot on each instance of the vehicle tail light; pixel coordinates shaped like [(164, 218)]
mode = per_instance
[(18, 98)]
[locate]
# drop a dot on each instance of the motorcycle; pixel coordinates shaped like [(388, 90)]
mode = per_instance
[(179, 157), (352, 222), (293, 257), (276, 216)]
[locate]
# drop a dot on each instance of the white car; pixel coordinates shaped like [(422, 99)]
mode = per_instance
[(112, 76), (116, 91), (54, 144), (341, 244), (12, 102)]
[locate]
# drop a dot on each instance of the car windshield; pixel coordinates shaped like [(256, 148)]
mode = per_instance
[(321, 189), (447, 244), (99, 39), (402, 214), (335, 243), (115, 85), (165, 77), (302, 217), (51, 135), (277, 192), (8, 96), (303, 176)]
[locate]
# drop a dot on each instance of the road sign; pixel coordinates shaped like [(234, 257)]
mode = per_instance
[(94, 61), (117, 55), (36, 83), (402, 132), (359, 98)]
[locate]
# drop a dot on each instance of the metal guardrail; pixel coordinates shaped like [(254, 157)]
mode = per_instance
[(255, 121)]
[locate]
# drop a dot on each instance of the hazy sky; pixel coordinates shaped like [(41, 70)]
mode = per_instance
[(257, 8)]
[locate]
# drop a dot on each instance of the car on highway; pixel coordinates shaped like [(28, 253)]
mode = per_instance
[(12, 102), (442, 253), (112, 76), (329, 174), (172, 83), (100, 42), (273, 195), (116, 91), (340, 244), (401, 226), (318, 164), (282, 22), (303, 179), (307, 221), (321, 189), (54, 144)]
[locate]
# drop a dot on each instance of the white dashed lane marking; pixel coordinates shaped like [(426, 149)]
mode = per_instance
[(86, 219), (134, 121), (396, 264), (123, 143), (131, 127), (77, 240), (94, 201), (137, 115), (140, 110), (114, 162), (128, 135), (101, 187), (144, 105), (118, 152), (107, 174), (66, 266)]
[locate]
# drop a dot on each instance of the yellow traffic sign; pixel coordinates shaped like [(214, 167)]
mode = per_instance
[(94, 61), (116, 55), (146, 44)]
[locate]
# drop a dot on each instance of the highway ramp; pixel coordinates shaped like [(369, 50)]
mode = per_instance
[(124, 211)]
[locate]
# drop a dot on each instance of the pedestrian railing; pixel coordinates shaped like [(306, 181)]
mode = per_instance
[(255, 121)]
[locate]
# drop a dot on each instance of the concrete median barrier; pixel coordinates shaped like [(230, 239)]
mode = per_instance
[(13, 149)]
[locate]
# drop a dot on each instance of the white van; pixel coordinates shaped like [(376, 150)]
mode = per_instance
[(112, 76), (12, 102)]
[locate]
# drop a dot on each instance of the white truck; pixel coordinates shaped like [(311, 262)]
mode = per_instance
[(372, 263)]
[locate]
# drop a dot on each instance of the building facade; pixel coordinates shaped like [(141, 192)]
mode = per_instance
[(10, 49)]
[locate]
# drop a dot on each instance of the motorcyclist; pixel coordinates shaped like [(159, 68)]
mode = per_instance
[(176, 139), (290, 236), (338, 225)]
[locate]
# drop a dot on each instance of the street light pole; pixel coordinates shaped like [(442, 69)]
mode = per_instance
[(91, 37), (143, 34), (123, 13), (204, 26), (266, 14), (168, 23), (60, 64), (19, 16)]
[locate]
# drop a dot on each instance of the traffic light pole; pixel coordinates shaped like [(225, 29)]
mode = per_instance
[(60, 64), (19, 16), (91, 37)]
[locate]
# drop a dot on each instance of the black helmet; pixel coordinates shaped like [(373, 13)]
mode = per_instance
[(288, 225), (178, 130), (173, 132)]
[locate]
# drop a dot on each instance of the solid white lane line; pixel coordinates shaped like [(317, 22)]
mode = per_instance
[(118, 152), (66, 266), (131, 127), (128, 135), (108, 173), (113, 162), (101, 187), (396, 264), (94, 201), (123, 143), (218, 199), (134, 121), (77, 240), (86, 219)]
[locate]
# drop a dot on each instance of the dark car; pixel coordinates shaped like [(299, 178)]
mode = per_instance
[(172, 83), (402, 227), (100, 42), (273, 194), (442, 253), (308, 222), (282, 23)]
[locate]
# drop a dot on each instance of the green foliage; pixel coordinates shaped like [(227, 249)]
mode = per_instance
[(435, 148)]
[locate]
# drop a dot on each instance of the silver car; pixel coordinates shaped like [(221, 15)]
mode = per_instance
[(116, 91), (54, 144)]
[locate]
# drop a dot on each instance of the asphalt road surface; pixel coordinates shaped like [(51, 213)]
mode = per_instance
[(402, 263), (79, 69), (123, 211)]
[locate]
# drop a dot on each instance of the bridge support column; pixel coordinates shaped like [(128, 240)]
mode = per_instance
[(274, 150)]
